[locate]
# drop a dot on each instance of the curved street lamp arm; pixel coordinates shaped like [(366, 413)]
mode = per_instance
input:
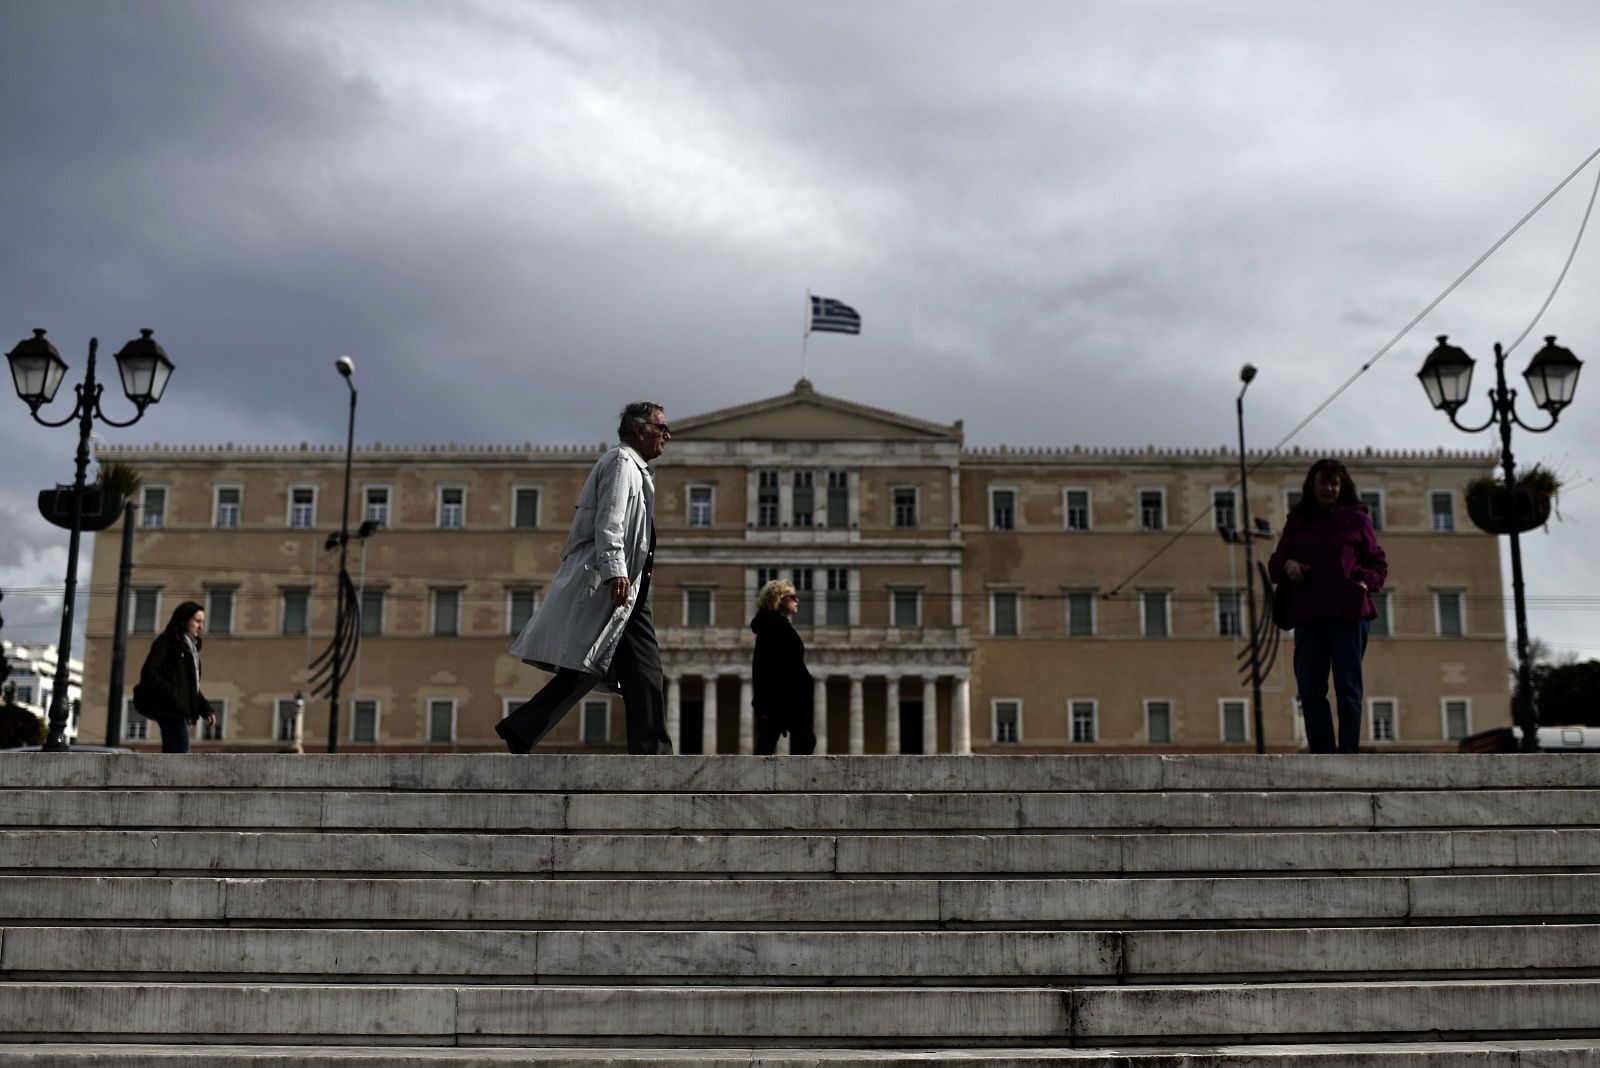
[(1555, 417), (77, 410), (100, 413), (1493, 412)]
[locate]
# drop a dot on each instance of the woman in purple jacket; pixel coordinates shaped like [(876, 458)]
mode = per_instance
[(1333, 564)]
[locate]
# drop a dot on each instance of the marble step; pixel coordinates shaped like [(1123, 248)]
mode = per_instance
[(580, 773), (835, 903), (791, 957), (1510, 1053), (813, 856), (593, 1015), (792, 812)]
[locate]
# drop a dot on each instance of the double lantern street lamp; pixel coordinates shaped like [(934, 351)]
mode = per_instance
[(37, 369), (1552, 378)]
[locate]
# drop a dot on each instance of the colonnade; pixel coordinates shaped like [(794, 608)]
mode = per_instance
[(960, 713)]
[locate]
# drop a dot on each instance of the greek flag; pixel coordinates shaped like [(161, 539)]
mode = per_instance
[(833, 317)]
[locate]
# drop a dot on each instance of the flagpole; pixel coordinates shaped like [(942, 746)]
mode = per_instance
[(805, 336)]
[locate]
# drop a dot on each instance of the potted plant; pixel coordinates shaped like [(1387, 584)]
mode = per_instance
[(1497, 509), (102, 499)]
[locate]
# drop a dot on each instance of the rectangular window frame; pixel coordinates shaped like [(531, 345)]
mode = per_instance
[(697, 594), (284, 594), (1442, 522), (135, 727), (438, 596), (1166, 613), (450, 516), (905, 509), (994, 720), (897, 598), (1460, 595), (1380, 515), (372, 622), (1149, 704), (1072, 517), (996, 595), (700, 514), (355, 719), (1244, 720), (518, 491), (297, 515), (385, 509), (220, 623), (427, 725), (1090, 597), (1145, 516), (805, 580), (1074, 706), (768, 498), (587, 709), (802, 499), (283, 717), (154, 626), (230, 519), (1372, 720), (1228, 604), (154, 518), (513, 626), (1383, 623), (836, 599), (1444, 718), (1232, 507), (1007, 519)]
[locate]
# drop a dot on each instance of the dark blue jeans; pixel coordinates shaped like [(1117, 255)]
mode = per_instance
[(1338, 644), (174, 733)]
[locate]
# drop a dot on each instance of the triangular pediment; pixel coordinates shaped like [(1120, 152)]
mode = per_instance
[(803, 414)]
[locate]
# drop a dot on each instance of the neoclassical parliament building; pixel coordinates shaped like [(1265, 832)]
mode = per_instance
[(955, 599)]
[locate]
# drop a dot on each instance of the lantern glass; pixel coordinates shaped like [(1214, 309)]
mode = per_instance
[(145, 369), (37, 370), (1447, 376), (1552, 376)]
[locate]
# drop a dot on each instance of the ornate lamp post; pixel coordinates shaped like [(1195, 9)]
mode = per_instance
[(1552, 378), (37, 369), (1247, 374), (333, 663)]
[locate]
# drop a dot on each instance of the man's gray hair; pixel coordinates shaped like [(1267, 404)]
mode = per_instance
[(635, 417)]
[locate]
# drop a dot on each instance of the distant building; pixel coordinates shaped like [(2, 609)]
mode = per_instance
[(34, 673), (955, 599)]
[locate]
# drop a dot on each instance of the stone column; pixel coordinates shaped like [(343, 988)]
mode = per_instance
[(747, 716), (858, 716), (819, 712), (960, 717), (675, 712), (891, 715), (930, 717), (708, 718)]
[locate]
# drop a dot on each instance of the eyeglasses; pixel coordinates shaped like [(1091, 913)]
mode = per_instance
[(663, 427)]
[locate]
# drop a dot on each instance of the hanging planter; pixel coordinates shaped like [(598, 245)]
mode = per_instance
[(1496, 509), (101, 507)]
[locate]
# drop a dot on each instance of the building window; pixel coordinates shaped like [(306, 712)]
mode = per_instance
[(24, 696), (441, 721), (1082, 717), (838, 597), (905, 507), (1381, 625), (153, 507), (1002, 509), (525, 507), (146, 611), (1158, 722), (596, 722), (767, 499), (1003, 613), (287, 707), (452, 507), (905, 608), (1233, 721), (700, 506), (804, 580), (804, 506), (1076, 507), (1224, 511), (372, 599), (520, 606), (302, 507), (1152, 509), (1449, 621), (765, 575), (135, 727), (212, 732), (1291, 500), (1080, 613), (1229, 624), (1154, 613), (839, 499), (219, 610), (364, 720), (377, 505), (1381, 712), (1373, 499), (447, 612), (295, 616), (1008, 721), (228, 501), (1442, 506), (697, 607), (1457, 718)]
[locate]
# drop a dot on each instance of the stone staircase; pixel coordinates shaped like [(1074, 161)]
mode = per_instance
[(1148, 911)]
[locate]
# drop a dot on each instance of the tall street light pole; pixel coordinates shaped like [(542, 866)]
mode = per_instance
[(37, 370), (347, 369), (1247, 374), (1552, 378)]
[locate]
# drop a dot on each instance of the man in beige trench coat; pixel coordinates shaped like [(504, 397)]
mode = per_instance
[(594, 630)]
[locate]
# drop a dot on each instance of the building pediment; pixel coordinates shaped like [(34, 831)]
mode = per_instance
[(803, 414)]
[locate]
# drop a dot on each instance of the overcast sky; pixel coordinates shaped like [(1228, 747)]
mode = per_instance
[(1062, 222)]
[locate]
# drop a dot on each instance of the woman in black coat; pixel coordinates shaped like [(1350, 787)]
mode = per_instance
[(169, 684), (782, 686)]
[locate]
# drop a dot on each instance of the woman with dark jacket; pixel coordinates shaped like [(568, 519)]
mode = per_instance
[(169, 684), (782, 685), (1332, 561)]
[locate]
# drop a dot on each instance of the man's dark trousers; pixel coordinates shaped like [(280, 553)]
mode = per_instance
[(635, 670)]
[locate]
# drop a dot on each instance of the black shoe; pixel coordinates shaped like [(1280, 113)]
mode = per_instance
[(513, 743)]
